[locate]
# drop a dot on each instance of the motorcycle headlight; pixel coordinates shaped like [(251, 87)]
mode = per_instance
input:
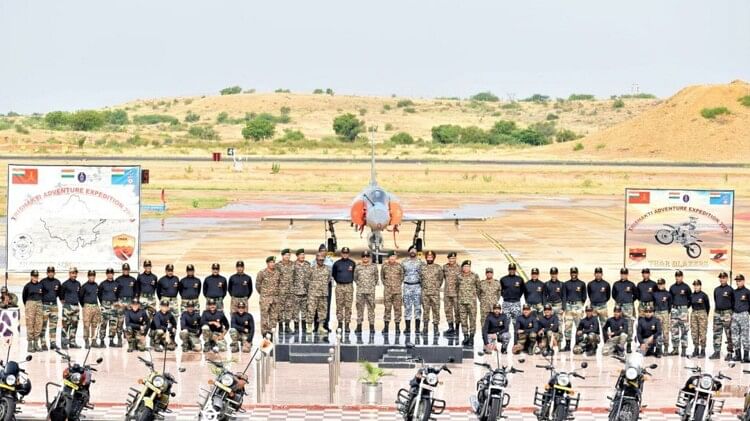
[(432, 379), (159, 381), (563, 380), (631, 373), (75, 377), (10, 379), (706, 382), (499, 380), (227, 380)]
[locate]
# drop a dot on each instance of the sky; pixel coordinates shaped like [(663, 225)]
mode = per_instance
[(76, 54)]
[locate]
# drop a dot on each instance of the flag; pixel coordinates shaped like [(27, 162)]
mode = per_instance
[(637, 254), (718, 255), (674, 195), (124, 175), (639, 197), (25, 176), (66, 173), (719, 198)]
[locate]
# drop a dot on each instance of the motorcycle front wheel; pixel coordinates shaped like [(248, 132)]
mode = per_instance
[(561, 412), (628, 412), (7, 409), (664, 236), (693, 250), (495, 407), (144, 414), (425, 410), (699, 411)]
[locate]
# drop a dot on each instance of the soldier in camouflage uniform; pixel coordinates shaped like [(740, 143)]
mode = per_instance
[(723, 301), (108, 300), (8, 299), (432, 281), (741, 321), (412, 290), (286, 297), (450, 294), (267, 284), (489, 292), (242, 329), (317, 289), (50, 310), (300, 279), (662, 308), (699, 318), (136, 326), (71, 309), (392, 276), (214, 327), (190, 289), (468, 293), (164, 326), (615, 331), (680, 327), (366, 278), (147, 289), (92, 315), (239, 287), (32, 301)]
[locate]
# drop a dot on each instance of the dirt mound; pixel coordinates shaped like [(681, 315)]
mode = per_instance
[(675, 130)]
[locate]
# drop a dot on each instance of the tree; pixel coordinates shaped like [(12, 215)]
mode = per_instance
[(503, 127), (446, 133), (57, 119), (232, 90), (86, 120), (347, 126), (258, 129), (531, 137), (117, 117), (473, 134), (485, 96), (566, 135), (402, 138)]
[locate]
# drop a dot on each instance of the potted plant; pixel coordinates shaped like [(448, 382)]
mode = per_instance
[(372, 388)]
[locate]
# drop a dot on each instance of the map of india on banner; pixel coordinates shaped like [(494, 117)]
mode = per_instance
[(83, 216), (679, 229)]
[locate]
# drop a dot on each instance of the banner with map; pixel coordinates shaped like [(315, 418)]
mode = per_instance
[(64, 216), (679, 229)]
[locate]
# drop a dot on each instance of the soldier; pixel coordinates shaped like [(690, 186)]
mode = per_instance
[(32, 295), (623, 292), (574, 295), (432, 282), (553, 293), (587, 334), (71, 309), (214, 326), (740, 321), (392, 276), (366, 278), (108, 291), (343, 275), (662, 310), (285, 296), (468, 293), (526, 327), (599, 293), (724, 301), (533, 293), (50, 311), (450, 294), (190, 329), (300, 279), (648, 332), (548, 331), (615, 332), (215, 286), (88, 297), (167, 289), (680, 293), (189, 289), (147, 289), (495, 329), (511, 289), (136, 326), (412, 290), (164, 326), (699, 318), (489, 292), (645, 290), (317, 288), (243, 330), (329, 263), (267, 284), (240, 286), (8, 299), (128, 290)]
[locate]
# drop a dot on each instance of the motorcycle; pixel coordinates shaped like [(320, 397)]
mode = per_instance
[(626, 404), (491, 397), (697, 400), (558, 401), (14, 385), (745, 415), (420, 404), (149, 403), (683, 234), (73, 396)]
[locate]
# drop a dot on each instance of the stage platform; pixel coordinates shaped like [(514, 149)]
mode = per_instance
[(390, 351)]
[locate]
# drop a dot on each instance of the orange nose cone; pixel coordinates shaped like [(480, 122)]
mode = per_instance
[(358, 213), (396, 212)]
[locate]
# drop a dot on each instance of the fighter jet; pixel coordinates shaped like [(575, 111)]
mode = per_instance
[(377, 210)]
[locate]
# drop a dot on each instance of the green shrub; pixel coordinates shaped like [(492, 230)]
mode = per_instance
[(536, 98), (712, 113), (546, 129), (578, 146), (285, 110), (5, 125), (387, 107), (402, 138), (57, 119), (745, 100), (362, 111), (86, 120), (148, 119), (404, 103), (639, 96), (291, 136), (318, 91), (619, 103), (503, 127), (502, 139), (282, 91), (12, 114), (116, 117), (510, 106), (329, 91), (566, 135), (100, 142), (222, 118), (473, 134), (410, 110), (580, 97), (446, 134), (21, 129), (388, 127), (232, 90), (203, 132), (347, 126), (485, 96), (136, 141), (531, 137), (192, 117), (552, 116), (258, 129)]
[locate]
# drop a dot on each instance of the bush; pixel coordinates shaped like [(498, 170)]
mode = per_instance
[(285, 110), (21, 129), (537, 98), (531, 137), (258, 129), (578, 146), (712, 113), (386, 107), (148, 119), (404, 103), (86, 120), (329, 91), (291, 136), (57, 119), (580, 97), (639, 96), (566, 135), (136, 141), (510, 106), (502, 139), (410, 110), (203, 132), (12, 114), (402, 138), (222, 118), (192, 117), (347, 126), (485, 96), (745, 100), (362, 111), (473, 134), (318, 91), (503, 127), (5, 125), (552, 116), (282, 91), (546, 129), (619, 103), (117, 117), (446, 134), (232, 90), (388, 127)]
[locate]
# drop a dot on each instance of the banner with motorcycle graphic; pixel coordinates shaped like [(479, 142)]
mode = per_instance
[(679, 229)]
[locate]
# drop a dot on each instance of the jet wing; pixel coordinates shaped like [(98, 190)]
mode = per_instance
[(443, 216), (309, 217)]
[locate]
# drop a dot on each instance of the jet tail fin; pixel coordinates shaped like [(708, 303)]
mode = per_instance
[(373, 180)]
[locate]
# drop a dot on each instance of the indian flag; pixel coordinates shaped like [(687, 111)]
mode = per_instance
[(674, 195), (67, 173)]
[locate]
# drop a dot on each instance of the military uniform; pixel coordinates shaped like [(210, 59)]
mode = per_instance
[(190, 330), (215, 287), (242, 331), (450, 294), (92, 316), (317, 301), (587, 334), (189, 290), (128, 290), (496, 327), (108, 301), (167, 288), (741, 321), (526, 328), (164, 326), (548, 332), (680, 326), (214, 326), (267, 285), (553, 295), (511, 289), (136, 327), (240, 287), (533, 293), (645, 291), (50, 310), (286, 295), (392, 276), (366, 278), (8, 299), (722, 320), (662, 311), (616, 335), (623, 293), (648, 331), (574, 297), (468, 293), (599, 292), (432, 282), (412, 290), (147, 289), (699, 321), (70, 310), (343, 274), (489, 294), (300, 279), (32, 295)]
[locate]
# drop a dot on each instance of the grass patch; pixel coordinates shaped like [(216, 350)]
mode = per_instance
[(578, 147), (711, 113), (745, 100)]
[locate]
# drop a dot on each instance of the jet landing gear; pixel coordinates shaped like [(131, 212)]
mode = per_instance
[(331, 243), (419, 235), (375, 243)]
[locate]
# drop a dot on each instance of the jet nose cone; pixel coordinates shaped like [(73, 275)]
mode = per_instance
[(378, 217)]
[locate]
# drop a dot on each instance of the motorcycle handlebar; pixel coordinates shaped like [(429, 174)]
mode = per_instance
[(448, 370), (579, 376), (746, 371), (546, 367), (515, 370)]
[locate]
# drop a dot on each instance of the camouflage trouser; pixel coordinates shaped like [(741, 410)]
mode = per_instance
[(287, 307), (679, 326), (92, 318), (536, 309), (698, 326), (485, 306), (620, 341), (503, 338), (722, 323), (468, 315), (573, 315), (70, 315), (234, 303), (109, 318), (162, 338), (194, 301), (601, 313), (431, 308), (315, 305), (148, 302), (524, 342), (451, 308), (34, 315), (642, 307), (344, 300), (628, 312), (137, 336), (412, 302), (124, 305), (300, 307), (664, 318), (366, 303), (241, 339), (190, 340), (269, 314), (213, 338), (557, 310), (513, 310), (740, 335), (549, 339), (49, 321), (219, 303), (586, 342), (393, 301)]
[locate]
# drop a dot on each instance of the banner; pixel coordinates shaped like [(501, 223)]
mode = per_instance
[(679, 229), (63, 216)]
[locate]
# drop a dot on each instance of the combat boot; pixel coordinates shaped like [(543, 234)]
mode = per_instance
[(746, 357), (303, 327), (74, 345), (52, 345), (450, 331), (504, 349), (407, 330), (372, 328), (287, 327), (31, 346), (703, 352), (385, 327), (715, 356), (417, 324), (119, 341), (737, 355), (398, 328), (696, 352), (435, 330), (456, 331), (280, 327), (112, 342), (131, 346), (235, 347), (683, 354), (567, 347), (347, 328), (43, 347), (358, 329), (674, 352), (658, 352), (729, 356)]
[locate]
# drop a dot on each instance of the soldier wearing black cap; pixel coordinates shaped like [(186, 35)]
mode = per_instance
[(623, 292), (553, 292), (648, 332), (587, 334), (147, 289), (533, 293), (267, 285), (511, 289), (599, 293), (190, 329), (526, 327), (136, 326), (574, 297), (616, 331), (700, 308), (108, 297), (164, 326), (127, 291), (662, 310), (286, 296), (496, 329), (215, 286), (300, 280), (32, 295), (190, 289), (50, 311), (548, 331), (242, 330), (167, 289), (71, 309), (240, 286), (645, 290), (214, 326), (450, 294), (722, 322), (741, 320), (679, 320), (343, 274), (92, 315)]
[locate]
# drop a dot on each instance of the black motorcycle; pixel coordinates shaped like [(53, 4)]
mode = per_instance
[(491, 396), (697, 400), (73, 397), (558, 401), (419, 403), (626, 404), (14, 385)]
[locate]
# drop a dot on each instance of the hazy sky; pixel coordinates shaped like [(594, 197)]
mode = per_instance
[(77, 54)]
